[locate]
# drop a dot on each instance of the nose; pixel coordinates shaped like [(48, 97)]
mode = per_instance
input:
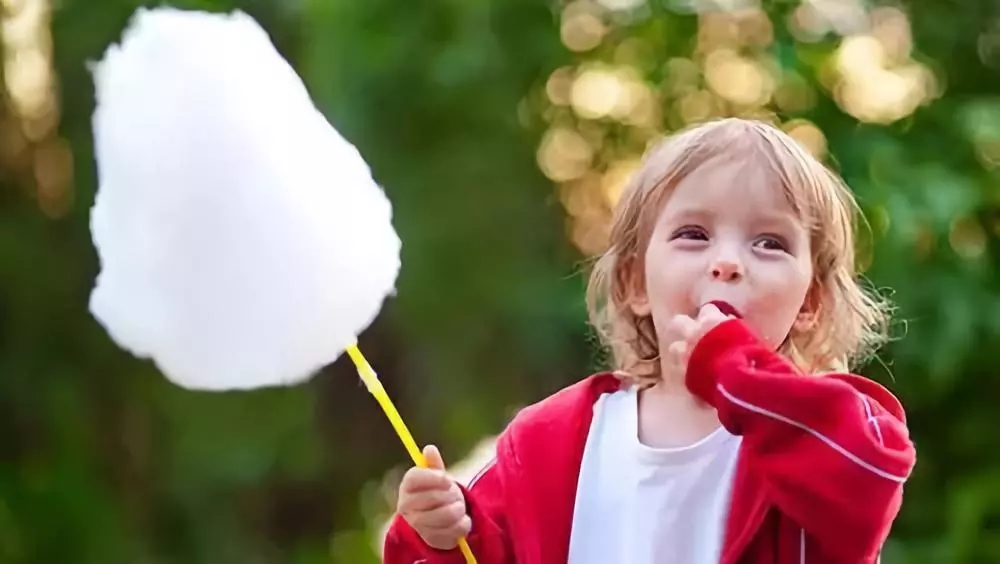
[(726, 270)]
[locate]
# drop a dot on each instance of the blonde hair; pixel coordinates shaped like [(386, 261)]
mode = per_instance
[(849, 322)]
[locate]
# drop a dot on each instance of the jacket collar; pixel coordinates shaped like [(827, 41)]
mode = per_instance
[(545, 448)]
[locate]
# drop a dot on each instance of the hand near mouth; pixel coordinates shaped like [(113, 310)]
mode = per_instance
[(684, 333)]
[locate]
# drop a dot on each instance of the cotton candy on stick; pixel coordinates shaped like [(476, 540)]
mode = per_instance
[(243, 243)]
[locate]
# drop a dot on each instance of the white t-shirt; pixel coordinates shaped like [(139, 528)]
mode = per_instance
[(640, 505)]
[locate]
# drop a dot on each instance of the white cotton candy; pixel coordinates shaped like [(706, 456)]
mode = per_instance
[(243, 242)]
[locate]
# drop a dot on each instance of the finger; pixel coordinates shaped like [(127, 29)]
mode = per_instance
[(683, 326), (678, 350), (433, 457), (440, 540), (708, 308), (684, 355), (709, 317), (677, 354), (447, 539), (445, 517), (429, 500), (421, 479), (711, 311), (465, 526)]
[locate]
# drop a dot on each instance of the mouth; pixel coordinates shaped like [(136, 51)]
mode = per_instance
[(726, 308)]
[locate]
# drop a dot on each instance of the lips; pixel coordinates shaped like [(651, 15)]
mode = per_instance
[(726, 309)]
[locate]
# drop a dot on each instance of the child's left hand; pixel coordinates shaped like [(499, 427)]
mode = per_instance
[(685, 332)]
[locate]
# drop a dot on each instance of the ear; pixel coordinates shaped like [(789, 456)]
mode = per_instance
[(631, 280), (809, 314)]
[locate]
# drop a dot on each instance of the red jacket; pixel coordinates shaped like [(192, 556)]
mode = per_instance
[(819, 478)]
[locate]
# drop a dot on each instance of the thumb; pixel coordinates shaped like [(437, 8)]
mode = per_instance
[(433, 458)]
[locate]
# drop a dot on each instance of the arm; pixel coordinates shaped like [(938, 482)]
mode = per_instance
[(834, 450), (488, 539)]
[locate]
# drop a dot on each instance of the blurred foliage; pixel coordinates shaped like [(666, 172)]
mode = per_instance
[(502, 132)]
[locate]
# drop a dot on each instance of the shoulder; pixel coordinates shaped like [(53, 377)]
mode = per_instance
[(573, 400), (561, 415), (869, 388)]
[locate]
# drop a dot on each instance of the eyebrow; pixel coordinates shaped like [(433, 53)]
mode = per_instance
[(771, 218), (691, 213), (781, 219)]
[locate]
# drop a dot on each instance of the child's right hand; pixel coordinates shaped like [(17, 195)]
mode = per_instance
[(433, 504)]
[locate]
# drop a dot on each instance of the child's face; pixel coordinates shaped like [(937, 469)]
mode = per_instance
[(727, 234)]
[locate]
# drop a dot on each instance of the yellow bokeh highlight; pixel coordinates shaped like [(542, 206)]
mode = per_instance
[(616, 177), (613, 92), (582, 27), (29, 142), (809, 136), (738, 79), (558, 86), (564, 154), (621, 93), (876, 79), (967, 237)]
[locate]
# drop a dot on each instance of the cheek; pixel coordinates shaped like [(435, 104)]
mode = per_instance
[(780, 300), (774, 323), (670, 276)]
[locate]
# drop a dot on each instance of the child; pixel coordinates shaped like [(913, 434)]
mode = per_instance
[(730, 432)]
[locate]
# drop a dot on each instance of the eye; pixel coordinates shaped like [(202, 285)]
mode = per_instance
[(690, 233), (771, 243)]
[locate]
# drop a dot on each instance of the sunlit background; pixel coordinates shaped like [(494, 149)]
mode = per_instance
[(503, 132)]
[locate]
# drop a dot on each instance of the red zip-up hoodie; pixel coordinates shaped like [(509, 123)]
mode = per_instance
[(819, 479)]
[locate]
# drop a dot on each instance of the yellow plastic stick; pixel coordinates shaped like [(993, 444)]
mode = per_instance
[(370, 378)]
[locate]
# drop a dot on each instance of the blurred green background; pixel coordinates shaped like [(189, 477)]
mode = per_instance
[(502, 131)]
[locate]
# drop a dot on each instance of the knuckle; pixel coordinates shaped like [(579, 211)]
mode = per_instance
[(405, 499), (410, 479), (406, 509)]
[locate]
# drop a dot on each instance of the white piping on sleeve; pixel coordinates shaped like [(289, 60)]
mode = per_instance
[(483, 471), (826, 440), (871, 418), (802, 546), (878, 433)]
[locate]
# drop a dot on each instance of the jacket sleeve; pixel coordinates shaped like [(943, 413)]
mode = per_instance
[(488, 539), (833, 450)]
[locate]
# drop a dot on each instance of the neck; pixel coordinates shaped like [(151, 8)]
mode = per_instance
[(670, 417)]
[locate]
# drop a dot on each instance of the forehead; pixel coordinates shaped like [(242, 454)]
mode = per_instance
[(733, 184), (741, 164)]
